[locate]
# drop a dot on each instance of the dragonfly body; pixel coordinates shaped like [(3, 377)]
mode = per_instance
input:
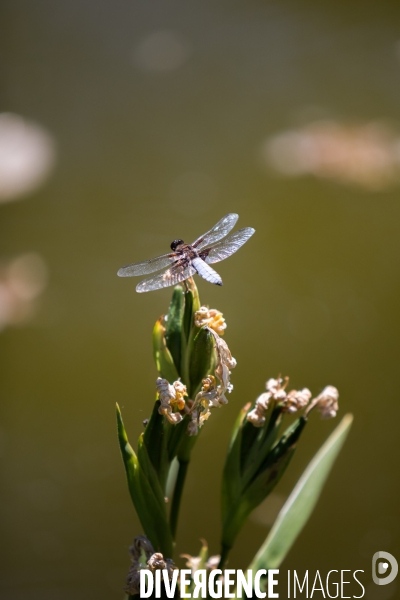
[(187, 259), (189, 256), (206, 272)]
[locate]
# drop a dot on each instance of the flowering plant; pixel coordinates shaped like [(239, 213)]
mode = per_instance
[(194, 365)]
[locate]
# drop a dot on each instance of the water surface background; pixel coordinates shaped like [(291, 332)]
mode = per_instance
[(160, 112)]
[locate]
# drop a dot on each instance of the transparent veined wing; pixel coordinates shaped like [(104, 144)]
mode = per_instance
[(172, 276), (227, 247), (148, 266), (220, 230)]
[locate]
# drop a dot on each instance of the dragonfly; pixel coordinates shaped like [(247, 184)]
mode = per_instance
[(185, 260)]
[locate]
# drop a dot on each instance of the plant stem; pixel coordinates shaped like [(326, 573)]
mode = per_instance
[(224, 555), (176, 499)]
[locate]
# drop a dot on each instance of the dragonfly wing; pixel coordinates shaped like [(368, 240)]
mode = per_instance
[(167, 278), (148, 266), (227, 247), (220, 230)]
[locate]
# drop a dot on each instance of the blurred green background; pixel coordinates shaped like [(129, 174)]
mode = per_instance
[(158, 119)]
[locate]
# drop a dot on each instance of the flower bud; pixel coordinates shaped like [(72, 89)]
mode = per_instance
[(174, 327), (162, 356)]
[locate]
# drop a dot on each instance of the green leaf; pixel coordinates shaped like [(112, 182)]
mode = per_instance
[(231, 479), (264, 481), (178, 434), (255, 453), (171, 479), (152, 516), (153, 436), (131, 464), (187, 442), (193, 305), (189, 331), (301, 502), (188, 320), (177, 495), (150, 473), (274, 465)]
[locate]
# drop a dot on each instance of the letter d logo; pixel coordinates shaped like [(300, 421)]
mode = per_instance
[(383, 567)]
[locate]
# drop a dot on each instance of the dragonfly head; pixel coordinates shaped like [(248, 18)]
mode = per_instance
[(175, 244)]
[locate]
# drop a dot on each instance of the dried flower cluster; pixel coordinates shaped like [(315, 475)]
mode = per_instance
[(293, 401), (213, 395), (327, 403), (196, 562), (225, 362), (171, 397), (296, 399), (143, 557), (210, 317)]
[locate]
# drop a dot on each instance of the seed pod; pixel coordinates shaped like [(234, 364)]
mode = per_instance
[(201, 353)]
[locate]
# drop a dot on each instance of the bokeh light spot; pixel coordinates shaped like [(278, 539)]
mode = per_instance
[(27, 156)]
